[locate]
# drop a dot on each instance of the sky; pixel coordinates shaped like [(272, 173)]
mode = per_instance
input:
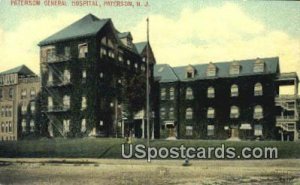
[(181, 32)]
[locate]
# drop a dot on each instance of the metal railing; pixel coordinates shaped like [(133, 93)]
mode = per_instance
[(58, 58)]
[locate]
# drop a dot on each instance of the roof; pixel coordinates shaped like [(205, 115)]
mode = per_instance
[(124, 34), (165, 73), (140, 46), (89, 25), (271, 67), (21, 70)]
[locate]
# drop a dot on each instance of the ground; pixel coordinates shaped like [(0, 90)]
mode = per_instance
[(159, 172)]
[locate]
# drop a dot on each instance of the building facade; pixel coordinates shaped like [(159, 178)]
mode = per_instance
[(85, 70), (19, 88), (228, 99)]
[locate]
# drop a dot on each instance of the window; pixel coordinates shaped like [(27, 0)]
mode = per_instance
[(23, 125), (2, 111), (190, 72), (32, 126), (189, 94), (234, 112), (67, 76), (23, 93), (210, 112), (84, 74), (136, 66), (9, 126), (66, 102), (189, 130), (172, 93), (259, 66), (103, 52), (32, 93), (67, 51), (66, 125), (120, 58), (50, 76), (258, 89), (211, 70), (143, 68), (2, 127), (189, 113), (234, 90), (211, 92), (6, 127), (83, 103), (111, 54), (235, 68), (258, 130), (83, 125), (163, 113), (50, 102), (24, 108), (171, 113), (83, 50), (1, 94), (163, 94), (258, 112), (11, 92), (51, 54), (128, 62), (210, 130), (32, 107)]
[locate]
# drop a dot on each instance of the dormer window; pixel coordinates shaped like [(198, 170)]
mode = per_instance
[(83, 50), (235, 68), (259, 66), (190, 72), (211, 70)]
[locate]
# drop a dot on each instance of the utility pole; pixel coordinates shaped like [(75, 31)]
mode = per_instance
[(148, 88)]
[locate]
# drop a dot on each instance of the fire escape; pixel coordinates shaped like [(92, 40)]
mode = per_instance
[(56, 79), (289, 105)]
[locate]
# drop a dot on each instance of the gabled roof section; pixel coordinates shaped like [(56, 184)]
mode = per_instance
[(271, 67), (20, 70), (165, 73), (89, 25), (140, 46), (124, 34)]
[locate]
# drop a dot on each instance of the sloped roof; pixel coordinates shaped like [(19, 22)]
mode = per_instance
[(89, 25), (140, 46), (124, 34), (21, 70), (165, 73), (271, 67)]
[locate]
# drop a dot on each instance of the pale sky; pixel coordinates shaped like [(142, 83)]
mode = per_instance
[(181, 32)]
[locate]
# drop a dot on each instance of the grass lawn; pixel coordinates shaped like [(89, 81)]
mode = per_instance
[(111, 147)]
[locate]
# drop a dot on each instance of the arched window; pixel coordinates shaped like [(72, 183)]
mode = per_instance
[(189, 113), (162, 113), (211, 92), (163, 94), (258, 89), (66, 128), (189, 94), (234, 90), (23, 124), (258, 112), (234, 112), (171, 113), (210, 112), (172, 93), (32, 125)]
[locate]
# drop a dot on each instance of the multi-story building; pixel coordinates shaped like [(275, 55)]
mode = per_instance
[(19, 88), (218, 100), (85, 68)]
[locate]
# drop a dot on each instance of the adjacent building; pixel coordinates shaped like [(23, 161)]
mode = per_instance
[(85, 70), (19, 88), (219, 100)]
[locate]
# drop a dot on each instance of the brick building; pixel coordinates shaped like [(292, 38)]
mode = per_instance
[(19, 88)]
